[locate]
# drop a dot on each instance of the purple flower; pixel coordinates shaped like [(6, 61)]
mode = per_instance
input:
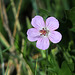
[(44, 31)]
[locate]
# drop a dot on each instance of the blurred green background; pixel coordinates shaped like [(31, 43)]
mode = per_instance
[(18, 56)]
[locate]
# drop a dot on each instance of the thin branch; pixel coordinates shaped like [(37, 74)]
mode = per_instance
[(5, 24), (4, 41), (17, 15), (14, 12)]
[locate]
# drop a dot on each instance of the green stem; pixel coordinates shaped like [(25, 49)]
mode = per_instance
[(2, 63), (43, 53), (47, 61), (35, 67), (47, 54)]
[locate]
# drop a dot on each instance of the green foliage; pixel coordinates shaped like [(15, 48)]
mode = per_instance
[(59, 59), (65, 69), (28, 23), (71, 16), (17, 42)]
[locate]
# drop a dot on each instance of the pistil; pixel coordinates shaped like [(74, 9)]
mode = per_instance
[(44, 32)]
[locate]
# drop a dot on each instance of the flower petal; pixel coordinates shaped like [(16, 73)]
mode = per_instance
[(33, 34), (43, 43), (38, 22), (55, 37), (52, 23)]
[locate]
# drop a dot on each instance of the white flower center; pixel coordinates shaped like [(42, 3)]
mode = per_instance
[(44, 32)]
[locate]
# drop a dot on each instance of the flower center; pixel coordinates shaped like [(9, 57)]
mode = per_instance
[(44, 32)]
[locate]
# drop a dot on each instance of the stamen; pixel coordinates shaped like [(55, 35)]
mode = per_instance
[(43, 32)]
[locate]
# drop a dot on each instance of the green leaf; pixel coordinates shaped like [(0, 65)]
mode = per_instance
[(73, 73), (44, 13), (28, 23), (71, 16), (65, 70), (73, 29), (70, 45), (64, 30), (71, 65), (24, 50), (17, 42), (6, 49)]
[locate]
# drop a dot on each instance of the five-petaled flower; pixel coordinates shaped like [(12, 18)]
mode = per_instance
[(44, 31)]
